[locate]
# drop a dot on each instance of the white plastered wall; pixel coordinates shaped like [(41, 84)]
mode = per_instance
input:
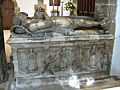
[(115, 67), (27, 6)]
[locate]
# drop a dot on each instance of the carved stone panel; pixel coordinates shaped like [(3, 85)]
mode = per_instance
[(52, 60), (44, 62), (59, 60)]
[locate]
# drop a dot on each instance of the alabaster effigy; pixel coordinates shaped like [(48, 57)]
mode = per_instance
[(41, 23), (58, 53)]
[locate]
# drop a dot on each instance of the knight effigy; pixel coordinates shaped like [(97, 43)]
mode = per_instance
[(42, 23), (60, 52)]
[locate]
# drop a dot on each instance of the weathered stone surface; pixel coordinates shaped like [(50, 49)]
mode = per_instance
[(40, 62)]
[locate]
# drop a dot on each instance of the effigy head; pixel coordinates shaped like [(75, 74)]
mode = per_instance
[(39, 14), (40, 9)]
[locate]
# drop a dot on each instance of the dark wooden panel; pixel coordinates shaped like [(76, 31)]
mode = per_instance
[(85, 7), (56, 2), (3, 66), (7, 12)]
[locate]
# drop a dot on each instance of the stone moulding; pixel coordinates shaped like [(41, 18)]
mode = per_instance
[(60, 38)]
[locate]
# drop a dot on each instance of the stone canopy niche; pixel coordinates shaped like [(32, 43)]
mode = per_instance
[(52, 53)]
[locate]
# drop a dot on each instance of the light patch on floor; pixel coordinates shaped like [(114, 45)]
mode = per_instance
[(7, 47), (115, 88)]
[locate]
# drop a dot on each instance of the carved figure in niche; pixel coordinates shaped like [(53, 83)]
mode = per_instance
[(105, 61), (47, 65), (95, 59), (64, 57), (32, 66), (92, 63), (23, 61)]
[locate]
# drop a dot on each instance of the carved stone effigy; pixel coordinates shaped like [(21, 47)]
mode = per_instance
[(52, 55)]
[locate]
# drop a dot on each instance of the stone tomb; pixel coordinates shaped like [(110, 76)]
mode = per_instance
[(59, 51), (40, 63)]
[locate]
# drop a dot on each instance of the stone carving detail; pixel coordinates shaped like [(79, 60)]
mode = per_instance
[(64, 58), (105, 62), (92, 57), (27, 60), (22, 59), (58, 59), (32, 65), (55, 60), (47, 65)]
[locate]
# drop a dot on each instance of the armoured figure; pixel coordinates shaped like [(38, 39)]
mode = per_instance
[(42, 23)]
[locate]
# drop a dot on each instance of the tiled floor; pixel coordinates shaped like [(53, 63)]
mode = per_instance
[(115, 88)]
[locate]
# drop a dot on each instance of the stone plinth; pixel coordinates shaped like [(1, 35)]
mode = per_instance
[(42, 62)]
